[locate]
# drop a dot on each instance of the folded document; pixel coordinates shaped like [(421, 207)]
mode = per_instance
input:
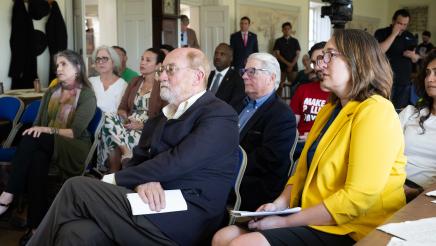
[(264, 213), (173, 199)]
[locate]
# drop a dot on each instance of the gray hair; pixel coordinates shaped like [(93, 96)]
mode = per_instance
[(270, 63), (113, 55)]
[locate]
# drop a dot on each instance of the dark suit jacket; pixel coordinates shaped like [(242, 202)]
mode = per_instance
[(240, 52), (57, 38), (196, 153), (267, 138), (231, 89)]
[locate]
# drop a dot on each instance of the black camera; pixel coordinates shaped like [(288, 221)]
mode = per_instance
[(339, 11)]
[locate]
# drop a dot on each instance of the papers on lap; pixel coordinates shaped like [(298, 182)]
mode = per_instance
[(173, 198), (237, 213)]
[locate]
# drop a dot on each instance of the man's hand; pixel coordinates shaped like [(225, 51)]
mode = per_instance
[(412, 55), (153, 194), (397, 29)]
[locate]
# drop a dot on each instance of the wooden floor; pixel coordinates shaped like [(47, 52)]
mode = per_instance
[(10, 234)]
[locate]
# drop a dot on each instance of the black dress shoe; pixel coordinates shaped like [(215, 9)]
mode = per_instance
[(25, 238)]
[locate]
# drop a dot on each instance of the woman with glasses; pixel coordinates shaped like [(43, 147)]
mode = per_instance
[(108, 86), (141, 101), (419, 126), (59, 139), (351, 171)]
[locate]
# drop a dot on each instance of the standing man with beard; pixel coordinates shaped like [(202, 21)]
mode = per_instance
[(192, 146), (399, 46), (224, 81)]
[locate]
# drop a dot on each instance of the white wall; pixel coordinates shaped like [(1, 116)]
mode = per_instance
[(5, 50)]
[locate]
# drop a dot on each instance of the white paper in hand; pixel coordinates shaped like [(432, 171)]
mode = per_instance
[(173, 198)]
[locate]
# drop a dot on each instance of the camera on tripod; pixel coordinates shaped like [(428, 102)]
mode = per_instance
[(339, 11)]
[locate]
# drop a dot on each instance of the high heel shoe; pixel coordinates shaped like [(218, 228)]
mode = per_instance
[(3, 208)]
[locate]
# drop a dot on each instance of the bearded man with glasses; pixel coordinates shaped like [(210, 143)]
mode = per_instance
[(266, 132), (192, 146)]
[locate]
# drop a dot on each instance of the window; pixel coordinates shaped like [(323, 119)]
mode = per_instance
[(319, 28)]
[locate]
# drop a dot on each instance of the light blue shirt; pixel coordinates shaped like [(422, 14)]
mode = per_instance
[(251, 108), (183, 42)]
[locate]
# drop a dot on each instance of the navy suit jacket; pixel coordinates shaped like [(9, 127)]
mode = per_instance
[(240, 52), (196, 153), (231, 89), (267, 138)]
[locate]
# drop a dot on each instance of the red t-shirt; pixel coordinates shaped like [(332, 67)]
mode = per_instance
[(306, 102)]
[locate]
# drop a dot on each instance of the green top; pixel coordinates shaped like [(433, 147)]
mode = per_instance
[(129, 74), (69, 154)]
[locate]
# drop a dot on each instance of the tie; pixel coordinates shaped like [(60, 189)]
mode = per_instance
[(181, 36), (245, 39), (216, 81)]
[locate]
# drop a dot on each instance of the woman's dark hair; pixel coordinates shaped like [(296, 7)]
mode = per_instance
[(166, 47), (425, 100), (160, 55), (77, 61)]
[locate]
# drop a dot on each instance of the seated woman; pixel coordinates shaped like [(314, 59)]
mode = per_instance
[(141, 101), (59, 137), (419, 126), (108, 86), (351, 172)]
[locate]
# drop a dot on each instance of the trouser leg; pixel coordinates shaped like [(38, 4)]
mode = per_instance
[(24, 158), (81, 232), (104, 204)]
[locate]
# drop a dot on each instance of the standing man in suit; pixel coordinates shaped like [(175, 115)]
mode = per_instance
[(244, 43), (224, 81), (192, 146), (267, 130), (188, 38)]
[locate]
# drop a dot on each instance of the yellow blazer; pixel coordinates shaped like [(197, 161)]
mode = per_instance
[(358, 169)]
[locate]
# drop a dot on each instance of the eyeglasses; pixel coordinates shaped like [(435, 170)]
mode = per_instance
[(170, 69), (326, 57), (251, 71), (102, 59)]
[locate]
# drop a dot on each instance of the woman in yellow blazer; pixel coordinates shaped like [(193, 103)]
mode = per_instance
[(351, 172)]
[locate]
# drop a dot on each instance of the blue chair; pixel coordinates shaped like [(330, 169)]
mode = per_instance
[(10, 110), (94, 128), (27, 118), (242, 164)]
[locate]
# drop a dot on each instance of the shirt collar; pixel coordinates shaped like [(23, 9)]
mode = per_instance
[(171, 113), (258, 102), (222, 72)]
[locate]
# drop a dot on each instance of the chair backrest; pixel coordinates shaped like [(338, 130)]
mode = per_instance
[(10, 110), (291, 153), (94, 127), (242, 164), (30, 113)]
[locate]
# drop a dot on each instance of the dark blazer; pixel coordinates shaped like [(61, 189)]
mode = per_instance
[(240, 52), (231, 89), (196, 153), (22, 68), (57, 38), (267, 138)]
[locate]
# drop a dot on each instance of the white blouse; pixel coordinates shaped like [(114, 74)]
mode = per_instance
[(108, 100), (420, 148)]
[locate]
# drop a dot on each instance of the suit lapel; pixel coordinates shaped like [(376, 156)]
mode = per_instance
[(225, 81), (209, 81), (257, 115), (341, 120)]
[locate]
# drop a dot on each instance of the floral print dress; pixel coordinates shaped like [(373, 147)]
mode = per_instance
[(114, 133)]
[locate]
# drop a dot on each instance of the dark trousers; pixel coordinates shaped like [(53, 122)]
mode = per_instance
[(400, 95), (30, 170), (90, 212)]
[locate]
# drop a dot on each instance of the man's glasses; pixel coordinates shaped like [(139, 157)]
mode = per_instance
[(251, 71), (170, 69), (326, 57), (102, 59)]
